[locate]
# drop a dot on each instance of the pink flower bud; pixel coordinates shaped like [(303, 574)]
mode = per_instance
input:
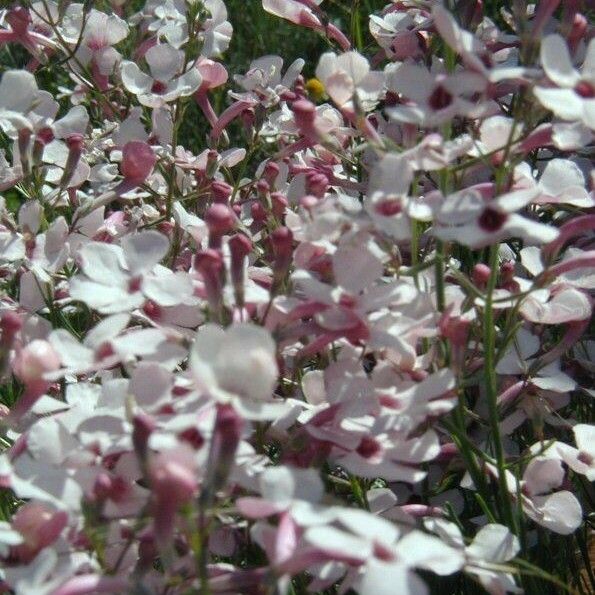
[(19, 20), (578, 30), (24, 140), (271, 171), (35, 360), (209, 264), (279, 203), (173, 476), (221, 191), (317, 184), (174, 483), (224, 443), (239, 246), (39, 526), (262, 187), (138, 161), (481, 275), (308, 202), (282, 242), (220, 220), (75, 144), (304, 112), (258, 212), (10, 325)]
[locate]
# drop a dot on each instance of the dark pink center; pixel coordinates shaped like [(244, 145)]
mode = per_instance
[(134, 284), (389, 207), (368, 447), (440, 98), (585, 90), (104, 351), (158, 87), (492, 220)]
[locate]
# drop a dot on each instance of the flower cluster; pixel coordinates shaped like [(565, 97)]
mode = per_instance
[(337, 343)]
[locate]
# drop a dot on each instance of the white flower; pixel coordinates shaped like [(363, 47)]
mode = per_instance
[(118, 279), (18, 96), (573, 98), (467, 218), (168, 80), (348, 80), (238, 365)]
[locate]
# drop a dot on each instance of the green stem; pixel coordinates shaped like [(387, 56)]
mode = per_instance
[(491, 385), (356, 26)]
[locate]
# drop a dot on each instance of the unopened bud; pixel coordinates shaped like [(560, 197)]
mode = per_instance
[(221, 191), (270, 173), (138, 161), (481, 275), (220, 220)]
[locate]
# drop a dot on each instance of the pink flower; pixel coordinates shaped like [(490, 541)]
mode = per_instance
[(573, 98), (168, 80), (469, 219)]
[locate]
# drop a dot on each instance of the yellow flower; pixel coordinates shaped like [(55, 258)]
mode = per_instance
[(315, 89)]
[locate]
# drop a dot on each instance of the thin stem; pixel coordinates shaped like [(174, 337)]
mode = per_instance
[(491, 386)]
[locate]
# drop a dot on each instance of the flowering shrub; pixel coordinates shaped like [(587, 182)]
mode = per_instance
[(337, 344)]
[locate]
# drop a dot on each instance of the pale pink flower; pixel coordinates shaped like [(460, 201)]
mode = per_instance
[(120, 279), (469, 219), (573, 97), (237, 366), (168, 80), (348, 80)]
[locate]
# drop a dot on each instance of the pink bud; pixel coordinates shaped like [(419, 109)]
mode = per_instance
[(481, 275), (173, 481), (212, 161), (213, 74), (282, 242), (224, 443), (75, 142), (239, 246), (210, 265), (173, 475), (271, 171), (35, 360), (279, 203), (39, 526), (317, 184), (578, 30), (10, 325), (24, 138), (258, 212), (304, 112), (138, 161), (220, 220), (307, 19), (19, 20), (308, 202), (221, 191), (262, 187)]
